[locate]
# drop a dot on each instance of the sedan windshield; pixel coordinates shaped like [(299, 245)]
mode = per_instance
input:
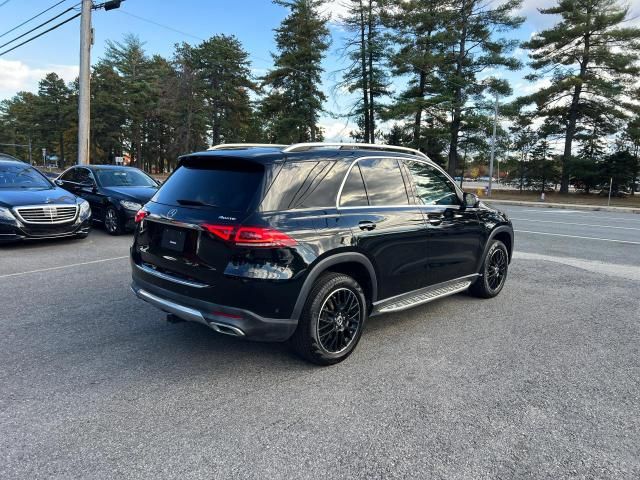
[(21, 176), (124, 178)]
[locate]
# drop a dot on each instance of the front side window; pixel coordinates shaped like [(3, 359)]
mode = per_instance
[(124, 178), (83, 176), (383, 182), (21, 176), (432, 186), (70, 175)]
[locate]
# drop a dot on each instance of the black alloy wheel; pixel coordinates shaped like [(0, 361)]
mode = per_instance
[(338, 320), (332, 320), (494, 271)]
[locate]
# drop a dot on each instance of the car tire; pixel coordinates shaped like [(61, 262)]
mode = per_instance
[(330, 327), (112, 223), (493, 274)]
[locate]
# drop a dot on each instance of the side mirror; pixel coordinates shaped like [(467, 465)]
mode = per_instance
[(58, 182), (471, 200)]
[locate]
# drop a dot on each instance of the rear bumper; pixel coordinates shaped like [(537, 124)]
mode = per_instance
[(227, 320)]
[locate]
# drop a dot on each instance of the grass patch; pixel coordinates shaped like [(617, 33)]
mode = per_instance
[(568, 198)]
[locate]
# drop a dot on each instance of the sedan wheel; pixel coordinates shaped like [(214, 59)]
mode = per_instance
[(112, 222)]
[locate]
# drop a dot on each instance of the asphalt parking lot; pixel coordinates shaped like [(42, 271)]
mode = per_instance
[(542, 381)]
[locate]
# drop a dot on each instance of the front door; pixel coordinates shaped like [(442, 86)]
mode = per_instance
[(455, 234)]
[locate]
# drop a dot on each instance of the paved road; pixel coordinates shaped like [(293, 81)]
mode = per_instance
[(543, 381)]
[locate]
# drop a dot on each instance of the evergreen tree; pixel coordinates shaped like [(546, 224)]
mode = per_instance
[(129, 60), (418, 32), (590, 57), (365, 50), (223, 68), (472, 26), (54, 112), (294, 99)]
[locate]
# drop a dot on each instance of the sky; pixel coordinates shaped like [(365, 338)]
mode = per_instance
[(251, 21)]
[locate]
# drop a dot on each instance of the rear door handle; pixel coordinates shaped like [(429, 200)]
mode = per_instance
[(434, 218), (367, 225)]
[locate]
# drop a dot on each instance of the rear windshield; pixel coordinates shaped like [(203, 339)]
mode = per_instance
[(229, 185), (21, 176)]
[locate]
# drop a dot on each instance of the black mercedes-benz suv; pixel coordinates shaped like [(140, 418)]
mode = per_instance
[(304, 243), (32, 207)]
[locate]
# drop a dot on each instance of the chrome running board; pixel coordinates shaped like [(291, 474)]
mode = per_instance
[(423, 295)]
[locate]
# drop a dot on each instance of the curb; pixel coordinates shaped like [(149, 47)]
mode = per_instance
[(566, 206)]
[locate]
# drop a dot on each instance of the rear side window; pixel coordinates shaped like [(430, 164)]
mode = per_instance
[(226, 184), (383, 181), (307, 184), (432, 186), (354, 194)]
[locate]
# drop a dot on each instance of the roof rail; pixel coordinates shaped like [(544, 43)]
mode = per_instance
[(240, 146), (301, 147)]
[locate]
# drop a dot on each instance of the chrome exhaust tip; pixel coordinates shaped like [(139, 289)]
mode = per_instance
[(226, 329)]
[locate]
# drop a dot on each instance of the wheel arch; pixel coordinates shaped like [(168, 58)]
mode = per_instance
[(504, 233), (354, 264)]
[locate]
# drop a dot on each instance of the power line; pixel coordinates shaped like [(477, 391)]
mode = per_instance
[(40, 34), (36, 28), (162, 26), (4, 3), (32, 18)]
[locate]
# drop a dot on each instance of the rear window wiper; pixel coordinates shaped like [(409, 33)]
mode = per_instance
[(196, 203)]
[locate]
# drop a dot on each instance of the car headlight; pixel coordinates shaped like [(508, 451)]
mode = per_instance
[(85, 210), (130, 205), (5, 214)]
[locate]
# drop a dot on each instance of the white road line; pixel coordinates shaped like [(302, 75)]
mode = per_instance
[(613, 269), (551, 210), (569, 223), (577, 236), (63, 266)]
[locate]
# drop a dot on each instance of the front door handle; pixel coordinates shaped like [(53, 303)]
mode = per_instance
[(367, 225), (434, 218)]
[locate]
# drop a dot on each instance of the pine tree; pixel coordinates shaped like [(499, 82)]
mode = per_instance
[(54, 112), (224, 69), (418, 31), (294, 99), (365, 50), (472, 26), (129, 60), (590, 57)]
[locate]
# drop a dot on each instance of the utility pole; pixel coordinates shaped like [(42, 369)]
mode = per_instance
[(493, 146), (84, 97)]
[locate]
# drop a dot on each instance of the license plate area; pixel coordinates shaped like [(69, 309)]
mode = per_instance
[(173, 239)]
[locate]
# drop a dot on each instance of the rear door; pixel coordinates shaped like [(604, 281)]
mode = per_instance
[(455, 234), (375, 203)]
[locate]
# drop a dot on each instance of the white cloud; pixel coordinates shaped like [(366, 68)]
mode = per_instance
[(528, 87), (335, 9), (16, 76), (336, 130)]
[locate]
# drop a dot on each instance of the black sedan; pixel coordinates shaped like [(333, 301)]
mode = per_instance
[(115, 193), (32, 207)]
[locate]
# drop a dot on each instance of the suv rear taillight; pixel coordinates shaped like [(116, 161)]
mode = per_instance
[(140, 215), (250, 236)]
